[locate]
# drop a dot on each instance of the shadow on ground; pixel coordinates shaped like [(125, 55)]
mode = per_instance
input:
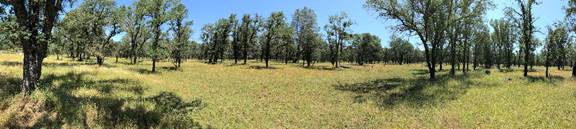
[(113, 103), (9, 86), (550, 80), (53, 64), (417, 91), (328, 68), (261, 67), (143, 71)]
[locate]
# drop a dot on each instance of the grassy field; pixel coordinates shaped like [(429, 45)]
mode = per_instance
[(118, 95)]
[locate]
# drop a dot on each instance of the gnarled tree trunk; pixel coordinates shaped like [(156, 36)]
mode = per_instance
[(30, 16)]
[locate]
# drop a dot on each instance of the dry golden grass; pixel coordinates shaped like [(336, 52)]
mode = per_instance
[(290, 96)]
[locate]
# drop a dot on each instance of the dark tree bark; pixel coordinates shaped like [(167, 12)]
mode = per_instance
[(155, 45), (100, 60), (574, 70), (31, 15)]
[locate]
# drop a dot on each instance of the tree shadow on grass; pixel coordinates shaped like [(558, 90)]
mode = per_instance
[(54, 64), (117, 103), (326, 68), (9, 86), (550, 80), (171, 68), (261, 67), (143, 71), (419, 72), (417, 91)]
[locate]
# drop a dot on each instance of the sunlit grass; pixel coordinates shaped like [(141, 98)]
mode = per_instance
[(290, 96)]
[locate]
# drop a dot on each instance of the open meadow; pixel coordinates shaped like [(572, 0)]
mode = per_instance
[(116, 95)]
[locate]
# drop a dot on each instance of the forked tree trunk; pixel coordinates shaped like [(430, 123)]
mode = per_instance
[(29, 17)]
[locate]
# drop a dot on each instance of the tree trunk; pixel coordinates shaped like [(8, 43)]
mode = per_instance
[(245, 53), (133, 53), (36, 17), (178, 61), (453, 58), (32, 69), (574, 70), (100, 60), (547, 73), (153, 65)]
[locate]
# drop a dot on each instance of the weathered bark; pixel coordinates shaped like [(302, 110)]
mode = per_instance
[(32, 68), (29, 17)]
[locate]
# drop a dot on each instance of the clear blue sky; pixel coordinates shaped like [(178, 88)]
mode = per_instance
[(208, 11)]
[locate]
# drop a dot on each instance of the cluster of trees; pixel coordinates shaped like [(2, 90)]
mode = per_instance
[(456, 29), (154, 28), (273, 38), (556, 47)]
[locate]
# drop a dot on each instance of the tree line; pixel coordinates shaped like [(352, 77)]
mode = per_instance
[(274, 38), (449, 32), (454, 32), (158, 30)]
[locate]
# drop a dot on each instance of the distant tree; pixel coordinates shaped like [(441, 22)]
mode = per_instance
[(181, 31), (367, 48), (135, 26), (235, 35), (247, 36), (157, 11), (482, 47), (504, 38), (216, 38), (525, 19), (555, 48), (399, 49), (104, 25), (560, 39), (209, 43), (58, 46), (338, 30), (463, 16), (77, 33), (274, 27), (287, 44), (306, 34), (549, 49), (8, 26), (571, 18), (426, 19)]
